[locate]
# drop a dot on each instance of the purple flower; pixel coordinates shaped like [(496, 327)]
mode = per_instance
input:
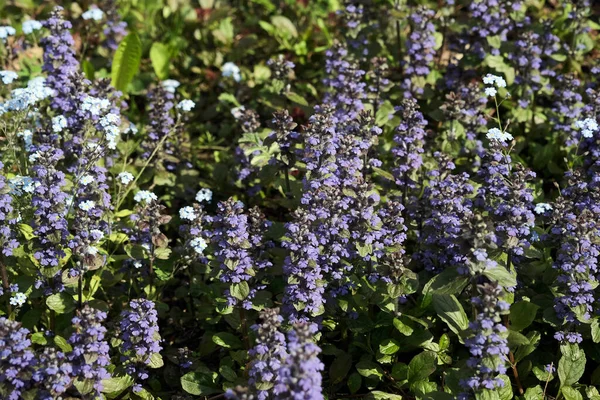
[(17, 360)]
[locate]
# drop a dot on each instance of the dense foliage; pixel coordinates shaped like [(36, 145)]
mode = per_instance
[(300, 199)]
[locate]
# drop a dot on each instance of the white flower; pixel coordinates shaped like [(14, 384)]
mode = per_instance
[(490, 79), (30, 26), (92, 251), (86, 180), (588, 126), (137, 264), (238, 112), (186, 105), (229, 69), (497, 134), (18, 299), (34, 156), (110, 119), (94, 105), (93, 13), (125, 178), (59, 123), (8, 76), (87, 205), (27, 136), (6, 31), (96, 234), (170, 85), (490, 91), (187, 213), (204, 195), (144, 195), (20, 184), (541, 208), (132, 129), (198, 244)]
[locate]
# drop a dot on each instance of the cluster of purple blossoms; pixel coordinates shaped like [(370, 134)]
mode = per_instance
[(567, 106), (420, 49), (505, 195), (344, 79), (17, 360), (409, 139), (239, 243), (299, 378), (50, 208), (492, 19), (141, 338), (267, 355), (449, 208), (487, 342), (89, 356), (575, 227), (115, 28), (160, 109), (8, 242), (53, 374)]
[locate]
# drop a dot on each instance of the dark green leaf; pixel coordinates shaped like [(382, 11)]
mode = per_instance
[(522, 314), (126, 61), (451, 312), (421, 366)]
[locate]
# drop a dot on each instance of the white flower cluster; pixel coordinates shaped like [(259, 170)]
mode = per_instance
[(21, 98), (86, 180), (110, 125), (204, 195), (541, 208), (500, 136), (186, 105), (31, 25), (125, 177), (229, 69), (170, 85), (587, 126), (492, 80), (144, 195), (94, 105), (22, 184), (8, 76), (87, 205), (187, 213), (27, 136), (93, 13), (6, 31), (198, 244), (59, 123), (18, 299)]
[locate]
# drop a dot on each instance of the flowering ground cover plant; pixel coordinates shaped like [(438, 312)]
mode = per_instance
[(297, 199)]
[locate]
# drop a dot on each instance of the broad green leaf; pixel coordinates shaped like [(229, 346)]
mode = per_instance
[(354, 382), (62, 344), (501, 275), (451, 312), (340, 367), (284, 26), (421, 366), (402, 327), (571, 365), (296, 98), (389, 346), (126, 61), (39, 338), (60, 303), (199, 384), (160, 57), (571, 393), (522, 314), (116, 384), (156, 361), (534, 393), (369, 370), (227, 340), (378, 395), (240, 290)]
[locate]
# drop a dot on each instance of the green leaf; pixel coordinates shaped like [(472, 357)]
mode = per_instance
[(340, 367), (116, 384), (39, 338), (571, 393), (451, 312), (522, 314), (26, 231), (62, 344), (448, 282), (296, 98), (595, 331), (369, 370), (126, 61), (534, 393), (501, 275), (389, 346), (354, 382), (402, 327), (240, 290), (421, 366), (156, 361), (199, 384), (160, 57), (505, 392), (379, 395), (571, 365), (494, 41), (60, 303), (227, 340), (284, 26)]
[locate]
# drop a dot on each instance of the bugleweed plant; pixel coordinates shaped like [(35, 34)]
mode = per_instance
[(300, 199)]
